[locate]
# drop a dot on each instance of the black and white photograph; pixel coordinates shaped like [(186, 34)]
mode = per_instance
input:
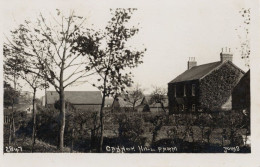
[(151, 78)]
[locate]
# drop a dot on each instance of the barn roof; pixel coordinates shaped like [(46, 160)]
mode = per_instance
[(196, 72), (76, 97)]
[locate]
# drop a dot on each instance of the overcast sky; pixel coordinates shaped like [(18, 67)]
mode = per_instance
[(171, 31)]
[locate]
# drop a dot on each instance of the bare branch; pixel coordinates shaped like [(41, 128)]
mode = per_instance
[(79, 78)]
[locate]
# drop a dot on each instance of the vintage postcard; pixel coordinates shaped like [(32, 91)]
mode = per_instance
[(95, 80)]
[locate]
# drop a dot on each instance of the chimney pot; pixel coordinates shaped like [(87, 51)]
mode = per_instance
[(226, 56), (191, 62)]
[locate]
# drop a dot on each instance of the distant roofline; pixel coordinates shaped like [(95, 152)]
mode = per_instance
[(90, 95)]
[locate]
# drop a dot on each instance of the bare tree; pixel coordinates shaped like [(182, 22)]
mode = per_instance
[(134, 95), (159, 96), (48, 43), (32, 79), (111, 58), (35, 83)]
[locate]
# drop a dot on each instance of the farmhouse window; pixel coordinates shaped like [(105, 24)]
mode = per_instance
[(193, 107), (174, 90), (184, 90), (193, 90)]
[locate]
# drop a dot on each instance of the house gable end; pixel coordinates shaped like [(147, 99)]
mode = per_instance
[(218, 67), (216, 87)]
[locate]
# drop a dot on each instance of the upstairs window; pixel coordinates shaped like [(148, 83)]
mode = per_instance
[(193, 90), (184, 90), (193, 108)]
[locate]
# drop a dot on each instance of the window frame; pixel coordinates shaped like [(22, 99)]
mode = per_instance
[(182, 108), (193, 90)]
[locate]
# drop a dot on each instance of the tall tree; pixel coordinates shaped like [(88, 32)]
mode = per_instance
[(12, 68), (111, 58), (10, 99), (48, 43), (243, 34), (34, 80)]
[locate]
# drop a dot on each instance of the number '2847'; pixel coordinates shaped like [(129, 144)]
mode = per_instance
[(10, 149)]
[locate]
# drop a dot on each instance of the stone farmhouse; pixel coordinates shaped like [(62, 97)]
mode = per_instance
[(206, 87)]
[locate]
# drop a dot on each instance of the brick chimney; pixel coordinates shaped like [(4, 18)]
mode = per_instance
[(191, 62), (226, 55)]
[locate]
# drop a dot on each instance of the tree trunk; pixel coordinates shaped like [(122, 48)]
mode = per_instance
[(133, 108), (34, 120), (10, 133), (13, 122), (101, 124), (94, 133), (163, 107), (167, 115), (101, 115), (62, 118)]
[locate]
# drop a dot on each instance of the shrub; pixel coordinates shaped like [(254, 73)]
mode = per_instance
[(130, 128)]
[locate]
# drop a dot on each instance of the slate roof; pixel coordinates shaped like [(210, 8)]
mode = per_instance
[(196, 72), (76, 97)]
